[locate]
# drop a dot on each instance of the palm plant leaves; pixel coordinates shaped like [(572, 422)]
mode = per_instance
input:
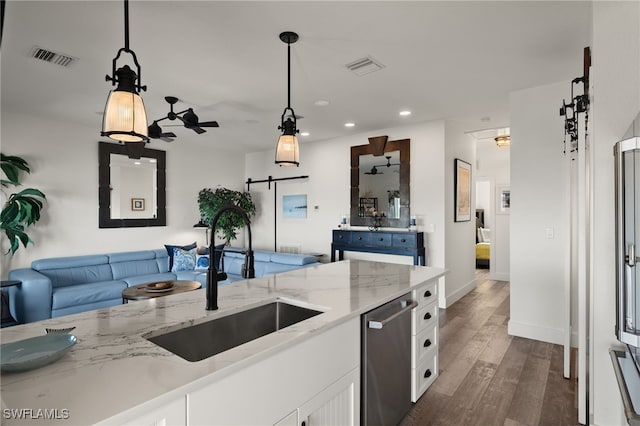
[(22, 209)]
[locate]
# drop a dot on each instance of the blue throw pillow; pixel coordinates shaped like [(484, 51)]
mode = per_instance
[(184, 260), (202, 262), (202, 259), (171, 248)]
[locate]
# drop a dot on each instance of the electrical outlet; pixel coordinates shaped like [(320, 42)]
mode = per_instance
[(548, 232)]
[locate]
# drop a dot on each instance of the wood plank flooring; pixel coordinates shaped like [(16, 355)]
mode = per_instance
[(489, 378)]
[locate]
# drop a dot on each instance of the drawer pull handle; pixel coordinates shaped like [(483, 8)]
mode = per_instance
[(403, 240), (427, 343), (427, 293), (340, 237), (359, 238), (427, 315), (427, 374), (380, 239)]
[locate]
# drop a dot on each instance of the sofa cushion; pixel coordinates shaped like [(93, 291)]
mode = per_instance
[(82, 294), (200, 276), (70, 276), (149, 278), (293, 259), (122, 270)]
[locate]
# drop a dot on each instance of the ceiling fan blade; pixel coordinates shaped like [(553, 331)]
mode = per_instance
[(196, 129), (209, 124)]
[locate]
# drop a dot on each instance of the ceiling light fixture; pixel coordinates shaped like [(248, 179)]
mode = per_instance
[(305, 134), (287, 151), (125, 118), (404, 113), (503, 141), (349, 124)]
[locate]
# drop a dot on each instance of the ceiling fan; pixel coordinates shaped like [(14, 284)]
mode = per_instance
[(374, 169), (188, 117)]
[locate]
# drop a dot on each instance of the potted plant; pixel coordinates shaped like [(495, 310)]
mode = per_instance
[(21, 209), (210, 201)]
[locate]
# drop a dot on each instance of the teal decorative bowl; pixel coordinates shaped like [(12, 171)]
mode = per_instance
[(34, 352)]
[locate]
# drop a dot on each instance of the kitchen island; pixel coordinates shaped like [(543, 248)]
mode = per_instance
[(113, 375)]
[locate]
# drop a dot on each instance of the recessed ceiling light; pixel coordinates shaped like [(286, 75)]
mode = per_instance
[(305, 134), (405, 112), (349, 124), (153, 160), (137, 163), (321, 103)]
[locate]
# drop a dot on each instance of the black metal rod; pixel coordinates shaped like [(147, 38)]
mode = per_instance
[(126, 25), (270, 179), (288, 75), (275, 217)]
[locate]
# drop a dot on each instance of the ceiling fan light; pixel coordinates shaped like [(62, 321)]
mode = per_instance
[(287, 152), (125, 118)]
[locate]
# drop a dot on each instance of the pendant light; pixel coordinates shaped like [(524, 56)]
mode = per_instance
[(287, 152), (125, 118)]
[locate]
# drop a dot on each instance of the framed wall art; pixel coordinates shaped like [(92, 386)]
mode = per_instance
[(137, 204), (503, 199), (462, 188), (294, 206)]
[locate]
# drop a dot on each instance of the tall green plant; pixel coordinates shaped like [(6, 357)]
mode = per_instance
[(210, 201), (22, 209)]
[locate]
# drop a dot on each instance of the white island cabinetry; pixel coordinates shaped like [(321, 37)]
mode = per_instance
[(305, 379), (424, 339)]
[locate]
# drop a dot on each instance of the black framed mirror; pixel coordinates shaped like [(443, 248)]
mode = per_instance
[(380, 174), (131, 189)]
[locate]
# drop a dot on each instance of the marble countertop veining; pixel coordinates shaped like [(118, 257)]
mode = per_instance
[(113, 368)]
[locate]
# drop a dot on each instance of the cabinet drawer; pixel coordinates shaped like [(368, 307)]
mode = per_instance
[(424, 316), (341, 237), (423, 345), (375, 239), (427, 293), (404, 240), (423, 376)]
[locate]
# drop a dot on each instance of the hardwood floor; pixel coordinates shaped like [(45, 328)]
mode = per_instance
[(489, 378)]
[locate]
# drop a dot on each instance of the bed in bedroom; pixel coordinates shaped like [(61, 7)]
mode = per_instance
[(483, 242)]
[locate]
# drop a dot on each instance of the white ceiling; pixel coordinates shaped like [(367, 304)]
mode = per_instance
[(450, 59)]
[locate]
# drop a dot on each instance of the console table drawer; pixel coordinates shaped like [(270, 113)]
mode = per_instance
[(404, 240), (376, 239), (342, 237)]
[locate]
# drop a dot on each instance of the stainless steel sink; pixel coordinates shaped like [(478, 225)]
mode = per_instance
[(200, 341)]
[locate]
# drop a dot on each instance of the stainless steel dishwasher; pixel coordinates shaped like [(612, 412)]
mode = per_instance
[(386, 362)]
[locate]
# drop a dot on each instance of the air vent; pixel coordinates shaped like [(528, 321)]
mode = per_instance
[(295, 249), (363, 66), (52, 57)]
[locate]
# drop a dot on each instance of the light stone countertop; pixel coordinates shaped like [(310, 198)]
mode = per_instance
[(113, 368)]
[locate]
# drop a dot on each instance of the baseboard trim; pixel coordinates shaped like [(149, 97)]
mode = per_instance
[(499, 276), (536, 332), (460, 293)]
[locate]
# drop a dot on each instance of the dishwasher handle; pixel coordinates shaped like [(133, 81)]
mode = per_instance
[(379, 324)]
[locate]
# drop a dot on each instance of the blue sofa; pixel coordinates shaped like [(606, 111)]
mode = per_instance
[(66, 285)]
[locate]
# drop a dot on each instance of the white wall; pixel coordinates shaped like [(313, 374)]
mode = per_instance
[(616, 102), (538, 185), (460, 236), (64, 163), (327, 164)]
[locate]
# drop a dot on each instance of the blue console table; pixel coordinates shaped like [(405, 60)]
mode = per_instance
[(385, 242)]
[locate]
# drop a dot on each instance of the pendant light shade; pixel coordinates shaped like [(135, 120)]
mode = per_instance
[(125, 118), (287, 150), (287, 153)]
